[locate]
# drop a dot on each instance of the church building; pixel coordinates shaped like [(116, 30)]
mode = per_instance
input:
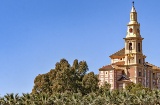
[(128, 64)]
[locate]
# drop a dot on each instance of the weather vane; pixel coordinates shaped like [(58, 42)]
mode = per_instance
[(133, 3)]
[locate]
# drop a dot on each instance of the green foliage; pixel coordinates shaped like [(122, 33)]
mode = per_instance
[(105, 88), (133, 88), (65, 77), (71, 85), (90, 83), (114, 97)]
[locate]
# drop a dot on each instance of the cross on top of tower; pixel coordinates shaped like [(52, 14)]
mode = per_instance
[(133, 3)]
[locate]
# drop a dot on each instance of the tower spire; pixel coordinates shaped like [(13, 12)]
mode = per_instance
[(133, 14), (133, 8), (133, 26)]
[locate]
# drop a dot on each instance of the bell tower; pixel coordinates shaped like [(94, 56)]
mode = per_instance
[(134, 58)]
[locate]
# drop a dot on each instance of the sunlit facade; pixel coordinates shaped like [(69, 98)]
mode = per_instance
[(128, 64)]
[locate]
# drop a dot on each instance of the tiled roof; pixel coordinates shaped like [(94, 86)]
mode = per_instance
[(119, 63), (112, 66), (119, 53), (153, 66), (106, 67)]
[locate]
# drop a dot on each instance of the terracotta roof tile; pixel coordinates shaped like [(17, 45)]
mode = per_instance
[(119, 53), (107, 67), (119, 63), (112, 66), (153, 66)]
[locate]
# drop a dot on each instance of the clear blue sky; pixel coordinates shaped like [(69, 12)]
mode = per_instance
[(35, 34)]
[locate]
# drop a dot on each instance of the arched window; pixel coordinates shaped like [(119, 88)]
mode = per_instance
[(154, 75), (130, 46), (139, 73), (139, 61), (139, 47)]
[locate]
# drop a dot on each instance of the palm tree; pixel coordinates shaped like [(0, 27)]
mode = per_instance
[(76, 98), (26, 98), (2, 101), (12, 99), (89, 98), (123, 97), (156, 96), (57, 99)]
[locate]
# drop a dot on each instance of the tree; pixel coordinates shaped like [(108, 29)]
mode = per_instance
[(90, 83), (42, 84), (105, 88), (26, 99), (133, 88), (11, 99), (63, 77)]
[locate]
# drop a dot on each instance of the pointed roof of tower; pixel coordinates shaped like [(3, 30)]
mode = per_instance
[(133, 8)]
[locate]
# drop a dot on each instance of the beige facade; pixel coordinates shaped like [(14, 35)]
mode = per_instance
[(128, 64)]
